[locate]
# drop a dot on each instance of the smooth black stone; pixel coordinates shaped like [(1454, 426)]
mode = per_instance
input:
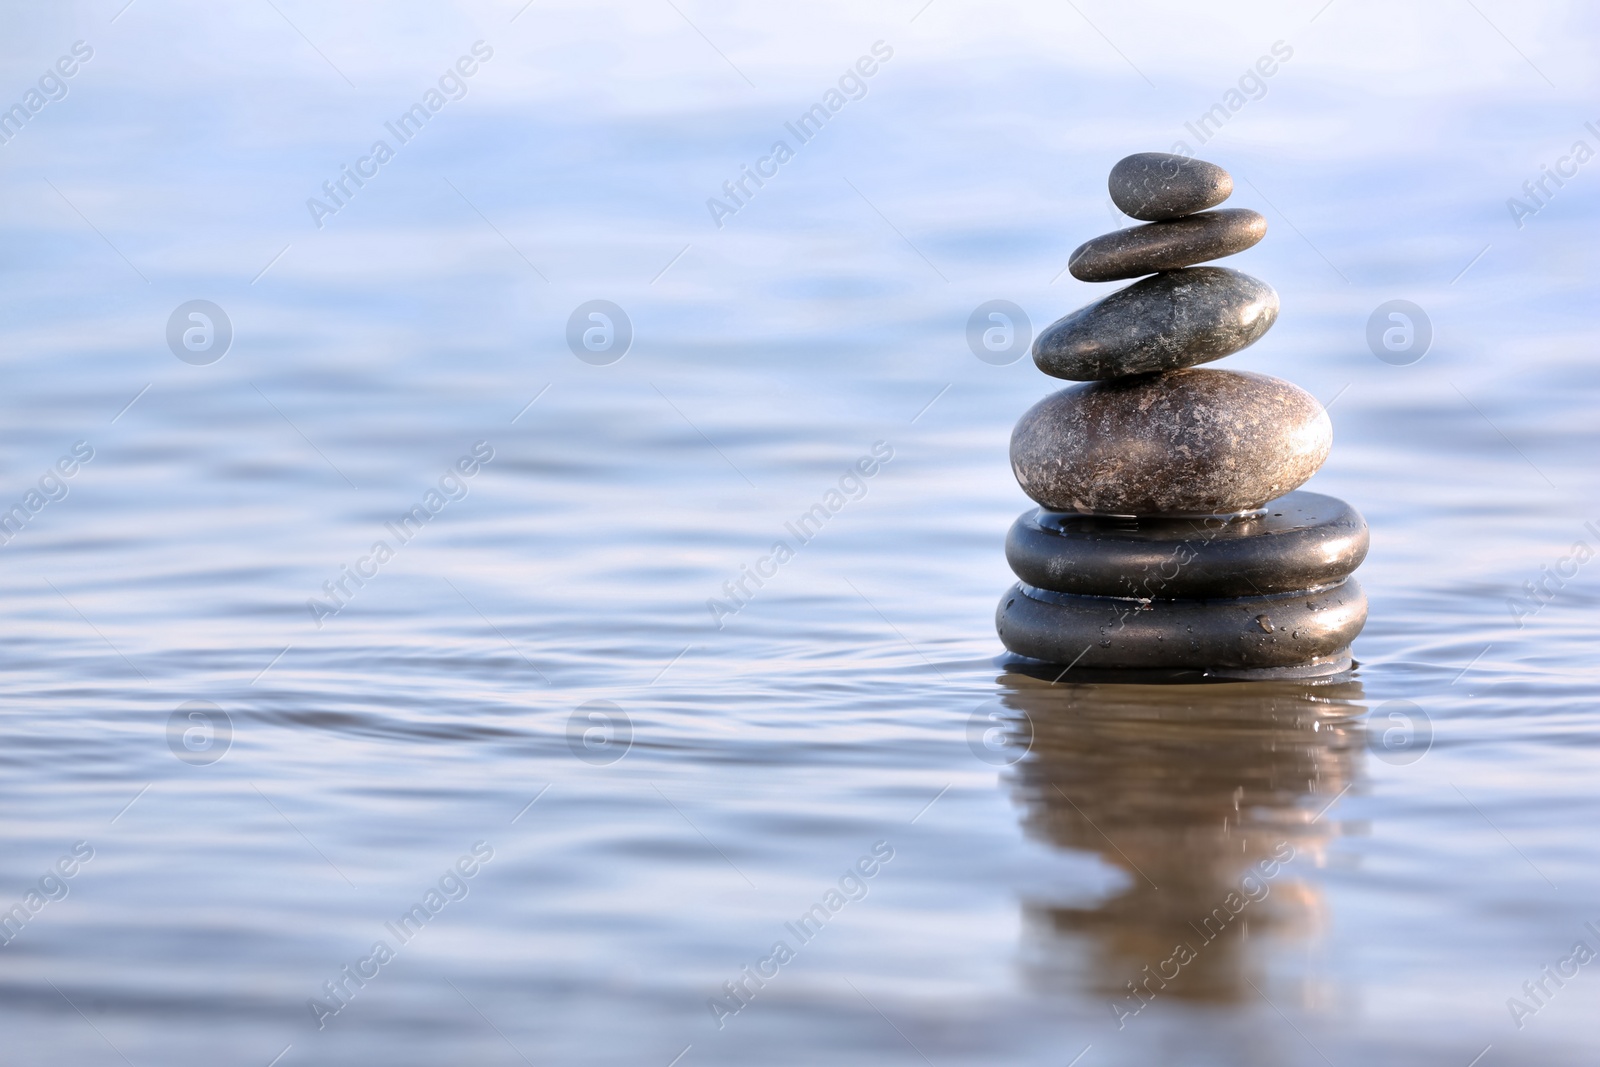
[(1286, 630), (1301, 541), (1332, 670), (1177, 318), (1167, 245), (1153, 186)]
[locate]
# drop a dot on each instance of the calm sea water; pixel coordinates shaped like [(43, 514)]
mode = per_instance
[(579, 805)]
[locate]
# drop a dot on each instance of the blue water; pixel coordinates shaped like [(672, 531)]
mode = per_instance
[(1033, 847)]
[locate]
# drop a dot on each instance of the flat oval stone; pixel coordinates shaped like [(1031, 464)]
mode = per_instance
[(1152, 186), (1187, 442), (1238, 633), (1175, 319), (1301, 541), (1167, 245)]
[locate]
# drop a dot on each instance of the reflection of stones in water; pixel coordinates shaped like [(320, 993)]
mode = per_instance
[(1197, 790)]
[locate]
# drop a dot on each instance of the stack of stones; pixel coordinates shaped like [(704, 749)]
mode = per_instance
[(1171, 534)]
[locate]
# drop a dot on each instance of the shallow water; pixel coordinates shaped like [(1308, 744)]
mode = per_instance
[(1401, 869)]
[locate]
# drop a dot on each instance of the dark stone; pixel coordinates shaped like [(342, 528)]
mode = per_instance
[(1325, 670), (1188, 442), (1301, 541), (1239, 633), (1152, 186), (1167, 245), (1176, 319)]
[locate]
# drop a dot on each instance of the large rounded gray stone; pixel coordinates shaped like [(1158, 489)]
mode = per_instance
[(1187, 442), (1153, 186), (1301, 541), (1167, 245), (1087, 632), (1175, 319)]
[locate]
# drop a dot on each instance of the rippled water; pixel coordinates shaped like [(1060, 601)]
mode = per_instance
[(609, 798)]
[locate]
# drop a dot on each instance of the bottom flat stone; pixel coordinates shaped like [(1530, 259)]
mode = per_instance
[(1332, 669), (1290, 630)]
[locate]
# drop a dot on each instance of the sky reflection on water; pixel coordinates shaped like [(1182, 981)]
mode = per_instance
[(643, 857)]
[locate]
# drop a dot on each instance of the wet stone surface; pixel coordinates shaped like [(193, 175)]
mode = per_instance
[(1188, 442), (1152, 186), (1301, 541), (1291, 629), (1174, 319), (1167, 245)]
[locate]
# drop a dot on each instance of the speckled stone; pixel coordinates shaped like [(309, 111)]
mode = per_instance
[(1152, 186), (1175, 319), (1288, 630), (1167, 245), (1300, 541), (1187, 442)]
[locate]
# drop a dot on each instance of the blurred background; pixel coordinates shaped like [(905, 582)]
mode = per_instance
[(269, 762)]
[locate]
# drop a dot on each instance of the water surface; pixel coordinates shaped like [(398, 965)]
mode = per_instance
[(1033, 847)]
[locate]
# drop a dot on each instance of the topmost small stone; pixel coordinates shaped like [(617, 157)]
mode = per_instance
[(1155, 186)]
